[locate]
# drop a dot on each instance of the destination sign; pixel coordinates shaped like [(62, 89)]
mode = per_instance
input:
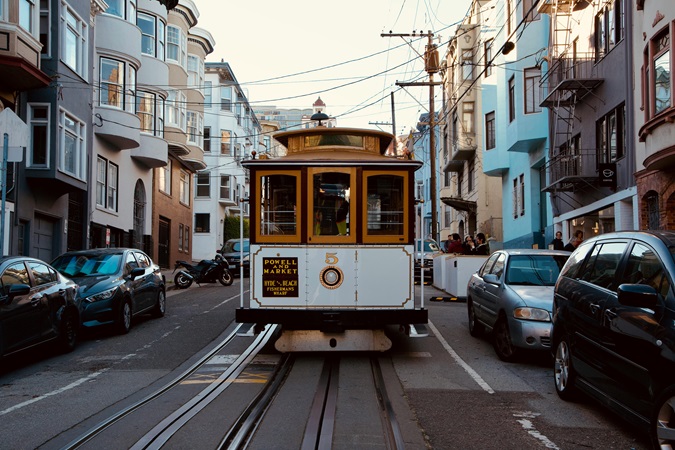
[(280, 277)]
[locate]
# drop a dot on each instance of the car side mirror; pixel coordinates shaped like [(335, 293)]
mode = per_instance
[(492, 279), (638, 295), (137, 272), (14, 291)]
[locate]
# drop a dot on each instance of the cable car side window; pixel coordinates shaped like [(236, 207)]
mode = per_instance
[(278, 195), (386, 207)]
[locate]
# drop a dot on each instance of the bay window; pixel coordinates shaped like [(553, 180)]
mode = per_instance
[(74, 38), (72, 154)]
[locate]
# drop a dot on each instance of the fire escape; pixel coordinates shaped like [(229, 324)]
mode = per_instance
[(571, 78)]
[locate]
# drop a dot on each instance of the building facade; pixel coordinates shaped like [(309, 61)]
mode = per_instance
[(588, 81), (471, 200), (654, 112), (232, 133)]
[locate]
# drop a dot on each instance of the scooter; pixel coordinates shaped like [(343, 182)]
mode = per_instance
[(207, 271)]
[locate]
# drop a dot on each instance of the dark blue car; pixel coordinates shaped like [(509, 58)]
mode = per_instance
[(116, 284)]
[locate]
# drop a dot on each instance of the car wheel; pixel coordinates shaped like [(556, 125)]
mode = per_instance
[(181, 281), (124, 318), (160, 304), (501, 341), (226, 278), (68, 332), (476, 328), (662, 428), (563, 372)]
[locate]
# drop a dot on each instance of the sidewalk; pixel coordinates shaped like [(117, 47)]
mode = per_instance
[(168, 275)]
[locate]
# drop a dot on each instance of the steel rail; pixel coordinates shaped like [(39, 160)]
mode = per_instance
[(164, 430), (387, 408), (321, 422), (101, 426), (243, 429)]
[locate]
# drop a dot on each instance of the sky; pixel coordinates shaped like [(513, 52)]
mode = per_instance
[(288, 54)]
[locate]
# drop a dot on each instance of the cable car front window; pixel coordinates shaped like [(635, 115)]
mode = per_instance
[(278, 205), (332, 195)]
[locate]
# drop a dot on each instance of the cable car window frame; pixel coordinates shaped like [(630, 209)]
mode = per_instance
[(277, 238), (406, 210), (353, 193)]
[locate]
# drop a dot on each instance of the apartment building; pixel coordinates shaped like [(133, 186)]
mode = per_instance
[(47, 67), (654, 113), (172, 208), (231, 133), (472, 201), (591, 163)]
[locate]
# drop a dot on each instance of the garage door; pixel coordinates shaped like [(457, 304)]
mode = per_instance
[(43, 238)]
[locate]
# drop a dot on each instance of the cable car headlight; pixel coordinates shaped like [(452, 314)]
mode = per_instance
[(331, 277)]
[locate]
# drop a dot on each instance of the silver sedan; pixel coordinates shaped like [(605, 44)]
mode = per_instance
[(512, 296)]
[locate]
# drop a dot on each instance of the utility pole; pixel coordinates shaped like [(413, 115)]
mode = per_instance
[(432, 66)]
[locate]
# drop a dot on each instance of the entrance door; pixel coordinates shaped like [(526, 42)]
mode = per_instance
[(163, 243)]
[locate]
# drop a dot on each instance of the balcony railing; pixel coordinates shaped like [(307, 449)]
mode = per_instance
[(570, 78), (571, 167)]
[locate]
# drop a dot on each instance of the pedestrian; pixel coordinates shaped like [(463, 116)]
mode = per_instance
[(575, 241), (468, 244), (557, 242), (481, 246), (455, 244)]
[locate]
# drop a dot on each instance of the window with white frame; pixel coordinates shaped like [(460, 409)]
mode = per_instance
[(116, 8), (73, 153), (203, 184), (532, 97), (148, 26), (107, 178), (467, 64), (130, 89), (161, 40), (208, 89), (195, 69), (74, 52), (145, 110), (467, 117), (176, 45), (488, 57), (27, 16), (112, 82), (184, 188), (38, 152), (512, 99), (45, 26), (192, 133), (3, 13), (171, 109), (225, 142), (164, 178), (225, 98), (225, 191)]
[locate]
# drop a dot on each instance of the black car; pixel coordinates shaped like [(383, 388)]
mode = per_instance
[(115, 285), (231, 251), (614, 327), (37, 304)]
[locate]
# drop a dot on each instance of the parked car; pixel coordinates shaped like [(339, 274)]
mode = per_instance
[(512, 296), (116, 284), (614, 328), (37, 304), (231, 251), (426, 255)]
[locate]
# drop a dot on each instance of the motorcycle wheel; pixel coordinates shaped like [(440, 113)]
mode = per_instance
[(181, 281), (226, 278)]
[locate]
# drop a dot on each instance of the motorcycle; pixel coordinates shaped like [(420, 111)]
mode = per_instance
[(207, 271)]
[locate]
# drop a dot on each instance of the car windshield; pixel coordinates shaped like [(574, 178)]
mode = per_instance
[(429, 246), (81, 265), (534, 270), (235, 246)]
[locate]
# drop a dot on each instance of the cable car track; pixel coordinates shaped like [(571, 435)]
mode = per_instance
[(163, 431)]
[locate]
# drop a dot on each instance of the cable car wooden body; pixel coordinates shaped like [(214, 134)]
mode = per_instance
[(332, 241)]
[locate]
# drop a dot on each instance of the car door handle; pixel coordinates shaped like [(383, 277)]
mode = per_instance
[(594, 307), (610, 315), (35, 301)]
